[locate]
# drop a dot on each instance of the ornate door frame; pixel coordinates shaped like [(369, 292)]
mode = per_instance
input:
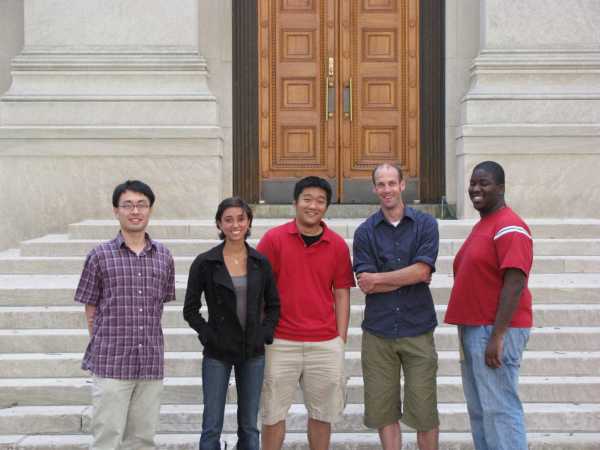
[(246, 176)]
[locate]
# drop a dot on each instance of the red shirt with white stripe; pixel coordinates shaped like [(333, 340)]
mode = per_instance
[(499, 241)]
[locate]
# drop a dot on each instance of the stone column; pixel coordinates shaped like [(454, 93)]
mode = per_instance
[(534, 106), (103, 91)]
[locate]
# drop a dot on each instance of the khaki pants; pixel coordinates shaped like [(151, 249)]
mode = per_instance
[(317, 366), (125, 414), (382, 361)]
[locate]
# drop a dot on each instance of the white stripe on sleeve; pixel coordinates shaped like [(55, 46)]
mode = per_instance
[(511, 229)]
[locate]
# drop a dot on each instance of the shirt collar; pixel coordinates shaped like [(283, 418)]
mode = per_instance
[(150, 244), (408, 213), (292, 228)]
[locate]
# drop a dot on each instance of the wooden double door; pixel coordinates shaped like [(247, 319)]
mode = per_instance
[(338, 93)]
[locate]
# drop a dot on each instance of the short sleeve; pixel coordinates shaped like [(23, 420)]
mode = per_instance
[(265, 247), (429, 243), (344, 277), (89, 288), (364, 259), (514, 248)]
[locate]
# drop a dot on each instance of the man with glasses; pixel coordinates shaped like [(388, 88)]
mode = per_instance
[(123, 285)]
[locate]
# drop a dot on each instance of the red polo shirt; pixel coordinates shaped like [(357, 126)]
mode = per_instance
[(498, 242), (306, 277)]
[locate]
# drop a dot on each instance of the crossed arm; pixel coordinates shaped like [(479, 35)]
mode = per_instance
[(372, 283)]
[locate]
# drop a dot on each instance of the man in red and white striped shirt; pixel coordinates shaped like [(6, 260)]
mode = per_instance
[(491, 303)]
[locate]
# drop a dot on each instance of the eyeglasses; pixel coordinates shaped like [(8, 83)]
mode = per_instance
[(129, 207)]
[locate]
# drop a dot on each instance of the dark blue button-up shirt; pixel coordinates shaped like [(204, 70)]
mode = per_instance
[(380, 246)]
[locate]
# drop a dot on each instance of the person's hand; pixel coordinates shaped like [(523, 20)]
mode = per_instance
[(493, 351), (428, 281), (366, 282)]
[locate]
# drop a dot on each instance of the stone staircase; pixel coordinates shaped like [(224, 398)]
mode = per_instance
[(45, 397)]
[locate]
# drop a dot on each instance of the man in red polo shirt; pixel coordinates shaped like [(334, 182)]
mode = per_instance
[(313, 270)]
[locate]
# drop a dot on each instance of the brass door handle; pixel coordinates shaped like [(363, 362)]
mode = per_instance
[(330, 89), (347, 100)]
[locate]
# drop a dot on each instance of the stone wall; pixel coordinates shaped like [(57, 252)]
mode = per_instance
[(102, 92), (216, 48), (11, 37), (534, 106), (462, 46)]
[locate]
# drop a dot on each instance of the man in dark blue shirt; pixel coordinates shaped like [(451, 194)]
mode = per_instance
[(394, 256)]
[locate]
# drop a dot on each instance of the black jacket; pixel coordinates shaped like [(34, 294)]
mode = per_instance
[(222, 335)]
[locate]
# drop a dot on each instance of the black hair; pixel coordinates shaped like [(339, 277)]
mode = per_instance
[(312, 181), (134, 186), (493, 168), (393, 166), (233, 202)]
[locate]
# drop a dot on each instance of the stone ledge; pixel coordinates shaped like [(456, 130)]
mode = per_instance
[(546, 96), (298, 441), (509, 130), (111, 59), (540, 417), (113, 111), (111, 132), (177, 364), (573, 61), (108, 98)]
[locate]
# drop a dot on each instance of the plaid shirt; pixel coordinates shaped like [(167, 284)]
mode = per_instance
[(129, 291)]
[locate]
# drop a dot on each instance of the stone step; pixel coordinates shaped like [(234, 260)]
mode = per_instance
[(449, 229), (74, 419), (11, 262), (188, 390), (338, 211), (561, 365), (189, 364), (185, 339), (72, 316), (60, 245), (298, 441), (42, 290)]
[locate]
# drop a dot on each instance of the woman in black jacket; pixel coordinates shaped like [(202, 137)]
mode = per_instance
[(243, 309)]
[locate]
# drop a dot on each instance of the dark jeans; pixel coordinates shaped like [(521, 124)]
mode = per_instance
[(248, 382)]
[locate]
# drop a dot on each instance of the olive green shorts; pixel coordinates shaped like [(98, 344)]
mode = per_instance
[(382, 360)]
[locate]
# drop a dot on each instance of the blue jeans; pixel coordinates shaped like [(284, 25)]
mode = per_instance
[(495, 410), (248, 381)]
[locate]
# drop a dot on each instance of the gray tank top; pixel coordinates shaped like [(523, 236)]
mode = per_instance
[(240, 285)]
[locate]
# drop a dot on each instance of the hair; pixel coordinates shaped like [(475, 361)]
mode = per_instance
[(134, 186), (392, 166), (493, 168), (308, 182), (233, 202)]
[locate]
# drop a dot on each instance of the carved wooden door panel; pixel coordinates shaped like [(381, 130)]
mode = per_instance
[(338, 93), (296, 39), (380, 72)]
